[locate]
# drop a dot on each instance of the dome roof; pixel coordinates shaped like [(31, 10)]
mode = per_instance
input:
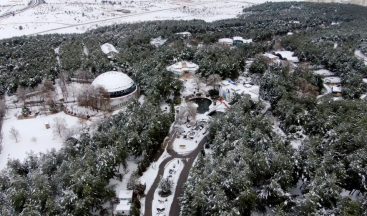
[(113, 81)]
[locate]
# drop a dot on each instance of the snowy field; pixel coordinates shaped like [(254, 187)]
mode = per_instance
[(32, 135), (72, 16)]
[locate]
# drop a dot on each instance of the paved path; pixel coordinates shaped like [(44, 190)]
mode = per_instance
[(176, 204), (190, 158)]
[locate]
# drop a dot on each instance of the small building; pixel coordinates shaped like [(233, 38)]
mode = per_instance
[(226, 41), (239, 40), (183, 67), (109, 50), (119, 86), (336, 91), (184, 35), (125, 202), (332, 81), (323, 73), (158, 41), (234, 41), (229, 89)]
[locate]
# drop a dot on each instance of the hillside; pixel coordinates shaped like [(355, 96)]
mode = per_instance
[(261, 114)]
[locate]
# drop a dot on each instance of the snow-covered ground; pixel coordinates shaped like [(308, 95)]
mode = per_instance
[(72, 16), (172, 171), (32, 135), (148, 176), (288, 55), (131, 167)]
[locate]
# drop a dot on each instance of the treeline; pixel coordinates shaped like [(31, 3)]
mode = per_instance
[(251, 169), (74, 180)]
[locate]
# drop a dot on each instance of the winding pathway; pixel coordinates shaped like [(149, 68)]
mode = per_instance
[(190, 158)]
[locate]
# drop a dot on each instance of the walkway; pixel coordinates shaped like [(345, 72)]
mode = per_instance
[(190, 158)]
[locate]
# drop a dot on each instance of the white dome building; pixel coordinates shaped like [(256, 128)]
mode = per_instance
[(119, 86)]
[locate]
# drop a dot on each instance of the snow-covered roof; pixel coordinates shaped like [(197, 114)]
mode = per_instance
[(336, 89), (108, 48), (237, 38), (159, 41), (226, 41), (288, 55), (323, 72), (184, 33), (113, 81), (332, 80), (290, 33), (182, 67), (364, 80)]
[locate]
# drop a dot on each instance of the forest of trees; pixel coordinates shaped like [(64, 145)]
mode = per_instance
[(251, 168)]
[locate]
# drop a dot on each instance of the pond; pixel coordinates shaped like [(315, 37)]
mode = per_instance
[(203, 104), (216, 113)]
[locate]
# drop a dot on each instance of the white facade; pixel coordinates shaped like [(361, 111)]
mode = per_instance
[(119, 86), (226, 41), (332, 80), (233, 41), (183, 67)]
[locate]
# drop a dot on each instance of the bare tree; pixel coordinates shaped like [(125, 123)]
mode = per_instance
[(84, 75), (192, 110), (63, 84), (187, 112), (97, 98), (59, 126), (22, 94), (14, 134), (2, 109), (213, 80)]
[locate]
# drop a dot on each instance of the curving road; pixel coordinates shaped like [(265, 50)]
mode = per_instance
[(190, 158), (31, 4)]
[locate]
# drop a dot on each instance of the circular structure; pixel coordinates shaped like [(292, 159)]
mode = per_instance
[(183, 67), (117, 84)]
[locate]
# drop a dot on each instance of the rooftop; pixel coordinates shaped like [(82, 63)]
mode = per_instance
[(108, 48), (113, 81), (323, 72), (182, 67), (332, 80)]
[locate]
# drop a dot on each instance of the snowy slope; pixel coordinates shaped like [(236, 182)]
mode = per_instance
[(71, 16)]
